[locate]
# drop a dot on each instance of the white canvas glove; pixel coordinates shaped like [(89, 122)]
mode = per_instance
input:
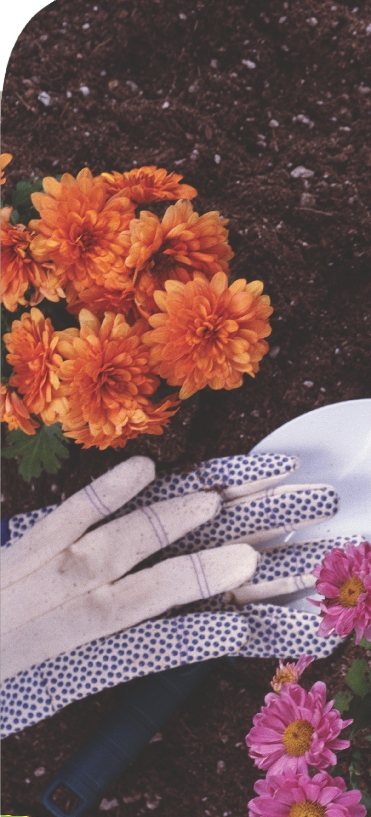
[(252, 518)]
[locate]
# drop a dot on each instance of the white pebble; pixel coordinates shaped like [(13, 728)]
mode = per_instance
[(182, 16), (274, 352), (85, 90), (85, 26), (195, 154), (312, 21), (282, 20), (308, 384), (285, 48), (307, 200), (192, 88), (214, 63), (249, 64), (153, 803), (68, 94), (157, 737), (106, 805), (40, 771), (220, 767), (303, 119), (368, 29), (132, 85), (44, 98), (165, 105), (273, 123), (301, 172), (364, 89), (217, 159)]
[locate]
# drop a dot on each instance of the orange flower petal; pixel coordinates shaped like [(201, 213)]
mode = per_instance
[(207, 334), (145, 184), (31, 347)]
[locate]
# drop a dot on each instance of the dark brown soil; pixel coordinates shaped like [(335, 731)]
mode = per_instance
[(168, 84)]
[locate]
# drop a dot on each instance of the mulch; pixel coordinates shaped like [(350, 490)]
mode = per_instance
[(236, 96)]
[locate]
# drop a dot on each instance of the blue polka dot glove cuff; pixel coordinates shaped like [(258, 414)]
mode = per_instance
[(63, 589)]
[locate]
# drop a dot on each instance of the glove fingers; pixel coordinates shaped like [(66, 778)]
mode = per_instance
[(69, 520), (104, 555), (146, 648), (244, 473), (277, 511), (288, 570), (265, 591), (120, 605)]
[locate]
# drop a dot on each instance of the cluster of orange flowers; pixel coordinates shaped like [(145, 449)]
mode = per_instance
[(151, 296)]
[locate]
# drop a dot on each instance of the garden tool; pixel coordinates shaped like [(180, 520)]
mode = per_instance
[(74, 588)]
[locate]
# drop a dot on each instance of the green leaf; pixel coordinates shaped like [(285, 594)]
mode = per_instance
[(38, 452), (365, 644), (15, 217), (357, 677), (366, 800), (21, 201), (354, 768), (360, 711), (342, 701), (334, 771)]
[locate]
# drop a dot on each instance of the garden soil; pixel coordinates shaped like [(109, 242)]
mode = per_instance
[(235, 96)]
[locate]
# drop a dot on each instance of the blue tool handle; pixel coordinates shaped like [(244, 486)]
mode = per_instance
[(142, 710)]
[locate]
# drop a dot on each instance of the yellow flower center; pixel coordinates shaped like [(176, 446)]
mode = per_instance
[(297, 737), (307, 809), (350, 590)]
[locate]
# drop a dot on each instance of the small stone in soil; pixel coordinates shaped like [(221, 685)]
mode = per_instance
[(44, 98), (107, 805), (307, 200), (301, 172)]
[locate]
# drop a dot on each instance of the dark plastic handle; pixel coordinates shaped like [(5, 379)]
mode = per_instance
[(143, 709)]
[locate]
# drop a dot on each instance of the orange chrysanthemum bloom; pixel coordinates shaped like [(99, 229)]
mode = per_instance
[(145, 184), (208, 334), (32, 354), (19, 268), (79, 230), (106, 381), (99, 300), (5, 158), (14, 412), (175, 248)]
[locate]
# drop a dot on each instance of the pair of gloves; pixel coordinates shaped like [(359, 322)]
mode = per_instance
[(78, 616)]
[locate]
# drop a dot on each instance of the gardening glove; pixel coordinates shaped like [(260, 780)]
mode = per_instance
[(254, 517), (79, 594)]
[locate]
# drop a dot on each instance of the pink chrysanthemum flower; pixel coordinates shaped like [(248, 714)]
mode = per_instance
[(290, 673), (301, 796), (295, 730), (344, 578)]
